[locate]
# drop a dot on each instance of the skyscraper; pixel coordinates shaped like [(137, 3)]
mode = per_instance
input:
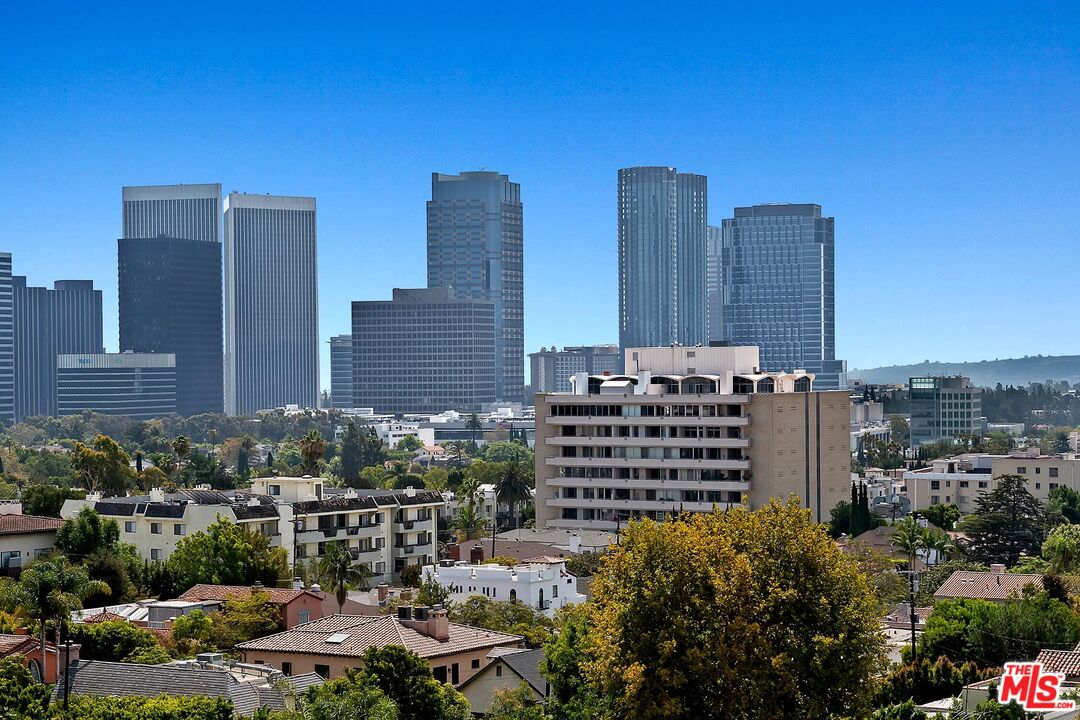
[(662, 233), (7, 341), (777, 265), (170, 302), (475, 245), (271, 303), (189, 212), (47, 322), (714, 283), (341, 371)]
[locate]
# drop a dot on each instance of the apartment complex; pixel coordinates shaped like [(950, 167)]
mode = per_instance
[(691, 429), (960, 480), (552, 369), (140, 386), (943, 407)]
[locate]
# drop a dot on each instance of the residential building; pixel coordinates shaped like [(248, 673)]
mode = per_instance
[(26, 651), (995, 585), (663, 220), (341, 371), (140, 386), (960, 480), (779, 279), (271, 303), (23, 538), (506, 673), (682, 428), (189, 212), (7, 341), (475, 242), (542, 582), (296, 605), (426, 350), (170, 302), (943, 407), (391, 433), (551, 369), (332, 645)]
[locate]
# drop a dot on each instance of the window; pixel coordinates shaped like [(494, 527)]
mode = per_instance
[(273, 489), (1021, 469), (1053, 472), (129, 526), (323, 670), (982, 484), (155, 528), (1038, 470), (155, 553), (439, 673), (498, 670), (303, 616), (475, 663), (178, 529), (286, 668)]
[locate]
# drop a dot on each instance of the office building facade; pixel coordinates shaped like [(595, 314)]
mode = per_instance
[(714, 283), (778, 269), (63, 319), (552, 369), (170, 302), (271, 303), (140, 386), (341, 370), (687, 429), (663, 220), (189, 212), (7, 340), (943, 407), (475, 245), (426, 350)]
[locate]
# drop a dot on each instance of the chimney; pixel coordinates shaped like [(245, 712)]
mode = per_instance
[(453, 551), (997, 569), (575, 544), (157, 495), (476, 555), (404, 613), (438, 624), (383, 591), (297, 584)]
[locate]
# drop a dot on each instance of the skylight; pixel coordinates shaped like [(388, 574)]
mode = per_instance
[(337, 638)]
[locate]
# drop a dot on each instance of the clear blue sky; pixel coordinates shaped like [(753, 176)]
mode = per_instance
[(945, 141)]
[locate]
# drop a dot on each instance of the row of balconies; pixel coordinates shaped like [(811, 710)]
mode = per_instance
[(717, 421), (648, 441), (689, 464)]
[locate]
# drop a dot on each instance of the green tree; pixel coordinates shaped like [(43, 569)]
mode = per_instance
[(1008, 522), (802, 644), (21, 697), (467, 523), (312, 447), (572, 696), (943, 516), (409, 443), (245, 617), (517, 704), (475, 427), (1065, 502), (86, 533), (910, 538), (410, 576), (437, 479), (360, 448), (406, 679), (103, 467), (227, 554), (432, 593), (1062, 548), (840, 519), (163, 707), (193, 631), (507, 451), (46, 500), (351, 697), (925, 680), (513, 617), (513, 486), (900, 430), (111, 641), (182, 447), (338, 574)]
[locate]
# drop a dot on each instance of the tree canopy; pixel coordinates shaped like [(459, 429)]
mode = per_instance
[(227, 554), (1008, 522)]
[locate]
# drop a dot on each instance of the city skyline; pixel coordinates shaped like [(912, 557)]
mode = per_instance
[(935, 136)]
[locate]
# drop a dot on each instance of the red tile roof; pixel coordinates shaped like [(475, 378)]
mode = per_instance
[(1060, 661), (278, 596), (104, 616), (13, 644), (360, 633), (19, 524), (987, 585)]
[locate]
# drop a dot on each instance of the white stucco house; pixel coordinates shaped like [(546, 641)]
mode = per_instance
[(542, 583)]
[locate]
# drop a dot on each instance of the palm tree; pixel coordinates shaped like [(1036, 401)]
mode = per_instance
[(338, 573), (182, 447), (474, 426), (312, 447), (467, 523), (512, 486), (939, 541), (212, 436), (910, 538)]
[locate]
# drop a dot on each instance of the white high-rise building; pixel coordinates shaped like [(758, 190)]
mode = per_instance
[(187, 212), (271, 303)]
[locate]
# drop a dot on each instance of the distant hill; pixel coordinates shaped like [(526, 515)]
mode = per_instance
[(987, 373)]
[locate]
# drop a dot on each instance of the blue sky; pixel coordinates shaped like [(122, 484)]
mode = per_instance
[(945, 141)]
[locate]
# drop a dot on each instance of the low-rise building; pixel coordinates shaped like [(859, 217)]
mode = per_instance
[(27, 651), (541, 583), (23, 538), (995, 585), (961, 479), (296, 606), (943, 407), (506, 672)]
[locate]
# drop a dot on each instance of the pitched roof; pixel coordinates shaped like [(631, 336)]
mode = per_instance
[(987, 585), (14, 644), (527, 665), (278, 596), (357, 633), (103, 616), (1060, 661), (18, 524)]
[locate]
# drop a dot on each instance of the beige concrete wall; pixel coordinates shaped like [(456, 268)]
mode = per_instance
[(926, 488), (543, 450), (29, 545), (481, 691)]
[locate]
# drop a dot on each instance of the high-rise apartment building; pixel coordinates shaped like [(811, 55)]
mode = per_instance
[(136, 385), (271, 303), (687, 428), (189, 212), (475, 245), (170, 302), (663, 217), (7, 340), (48, 322), (551, 369), (777, 264), (944, 407), (426, 350), (341, 371)]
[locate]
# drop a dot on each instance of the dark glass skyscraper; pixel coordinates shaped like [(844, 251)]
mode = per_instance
[(341, 371), (7, 341), (777, 264), (170, 302), (663, 216), (475, 245)]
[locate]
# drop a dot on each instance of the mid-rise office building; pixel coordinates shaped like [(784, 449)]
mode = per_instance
[(663, 220), (475, 245), (170, 302), (552, 369), (7, 340), (271, 303), (189, 212), (778, 268), (341, 371), (140, 386), (426, 350), (944, 407), (687, 429), (50, 321)]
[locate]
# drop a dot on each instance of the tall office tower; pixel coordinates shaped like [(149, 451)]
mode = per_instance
[(662, 229), (714, 282), (475, 245), (341, 370), (189, 212), (170, 302), (777, 265), (426, 350), (64, 319), (271, 303), (552, 369), (7, 340)]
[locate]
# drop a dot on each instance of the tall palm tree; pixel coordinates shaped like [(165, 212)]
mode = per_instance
[(512, 486), (910, 538), (474, 426), (182, 447), (467, 523), (312, 447), (338, 574), (938, 541)]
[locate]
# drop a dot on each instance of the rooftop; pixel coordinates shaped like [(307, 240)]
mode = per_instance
[(20, 524), (279, 596), (987, 585)]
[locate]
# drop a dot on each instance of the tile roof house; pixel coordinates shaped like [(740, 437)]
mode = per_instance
[(248, 687), (1066, 662), (332, 644), (995, 585), (24, 537), (507, 671), (29, 650), (298, 605)]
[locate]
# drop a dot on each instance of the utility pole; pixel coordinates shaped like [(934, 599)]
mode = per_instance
[(911, 597), (67, 671)]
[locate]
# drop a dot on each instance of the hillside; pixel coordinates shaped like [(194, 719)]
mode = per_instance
[(988, 373)]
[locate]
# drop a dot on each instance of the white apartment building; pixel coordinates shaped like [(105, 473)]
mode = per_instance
[(959, 480), (688, 428), (392, 433), (542, 583)]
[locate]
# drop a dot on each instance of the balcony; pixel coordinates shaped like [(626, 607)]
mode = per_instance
[(408, 524), (543, 604), (689, 464), (560, 440)]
